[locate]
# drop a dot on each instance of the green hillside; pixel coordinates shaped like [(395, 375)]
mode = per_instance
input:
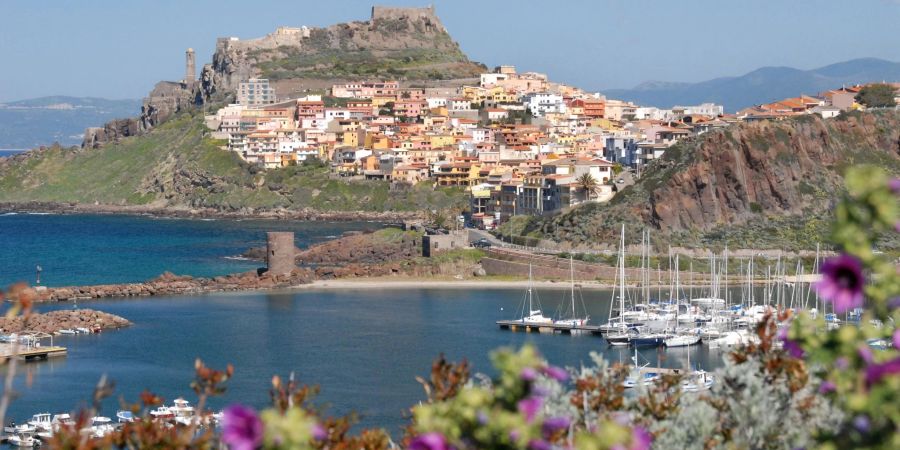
[(177, 166)]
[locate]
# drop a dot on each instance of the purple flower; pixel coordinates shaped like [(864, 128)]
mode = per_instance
[(530, 406), (241, 428), (539, 391), (894, 303), (827, 387), (842, 363), (557, 373), (539, 444), (528, 374), (861, 423), (482, 418), (429, 441), (640, 439), (894, 185), (897, 339), (790, 346), (319, 432), (514, 436), (875, 372), (554, 424), (842, 282)]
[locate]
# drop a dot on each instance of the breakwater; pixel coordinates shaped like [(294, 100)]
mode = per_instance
[(71, 319), (169, 284)]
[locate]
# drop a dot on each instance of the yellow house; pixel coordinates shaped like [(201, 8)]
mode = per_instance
[(380, 100), (377, 141), (474, 93), (442, 140), (501, 95)]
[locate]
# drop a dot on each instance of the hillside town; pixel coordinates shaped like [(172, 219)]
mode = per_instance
[(518, 143)]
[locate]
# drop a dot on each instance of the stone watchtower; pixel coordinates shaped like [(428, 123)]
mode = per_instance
[(190, 72), (280, 252)]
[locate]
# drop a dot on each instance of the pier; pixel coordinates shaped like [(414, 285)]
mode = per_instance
[(31, 353), (30, 347), (534, 327)]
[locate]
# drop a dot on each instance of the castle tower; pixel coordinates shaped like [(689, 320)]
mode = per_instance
[(190, 74), (280, 252)]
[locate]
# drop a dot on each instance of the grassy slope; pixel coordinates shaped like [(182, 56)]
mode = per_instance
[(175, 165)]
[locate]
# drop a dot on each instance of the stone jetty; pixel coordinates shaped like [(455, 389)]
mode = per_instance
[(54, 321), (170, 284)]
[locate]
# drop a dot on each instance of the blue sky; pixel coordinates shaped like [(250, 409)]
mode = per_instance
[(119, 49)]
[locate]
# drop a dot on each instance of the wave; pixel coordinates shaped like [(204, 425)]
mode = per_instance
[(39, 214), (9, 214), (239, 258)]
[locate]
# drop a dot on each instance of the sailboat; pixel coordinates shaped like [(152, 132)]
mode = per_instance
[(531, 315), (621, 333), (572, 319)]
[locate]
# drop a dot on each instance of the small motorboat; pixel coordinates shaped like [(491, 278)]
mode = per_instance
[(125, 416), (697, 380), (101, 426), (647, 378), (67, 331), (162, 413), (41, 422), (184, 413), (82, 330), (23, 437)]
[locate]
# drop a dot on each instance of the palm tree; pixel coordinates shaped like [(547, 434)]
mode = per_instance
[(588, 184)]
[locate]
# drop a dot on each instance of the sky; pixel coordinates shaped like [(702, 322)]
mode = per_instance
[(120, 49)]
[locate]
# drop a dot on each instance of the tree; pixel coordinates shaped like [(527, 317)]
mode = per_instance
[(877, 96), (588, 184)]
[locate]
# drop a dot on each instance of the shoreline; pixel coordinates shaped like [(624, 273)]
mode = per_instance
[(208, 213)]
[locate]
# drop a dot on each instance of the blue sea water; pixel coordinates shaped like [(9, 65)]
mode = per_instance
[(94, 249), (6, 152), (363, 346)]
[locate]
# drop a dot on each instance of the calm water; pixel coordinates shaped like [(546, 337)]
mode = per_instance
[(363, 347), (4, 152), (94, 249)]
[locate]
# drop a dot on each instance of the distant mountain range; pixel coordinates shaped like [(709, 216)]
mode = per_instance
[(42, 121), (762, 85)]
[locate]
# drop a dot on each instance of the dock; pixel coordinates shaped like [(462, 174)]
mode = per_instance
[(30, 353), (529, 327)]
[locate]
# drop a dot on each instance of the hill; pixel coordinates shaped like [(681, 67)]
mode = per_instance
[(763, 85), (754, 185), (177, 167), (407, 44), (41, 121)]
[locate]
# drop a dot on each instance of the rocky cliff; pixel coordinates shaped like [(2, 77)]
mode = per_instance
[(757, 184), (395, 43)]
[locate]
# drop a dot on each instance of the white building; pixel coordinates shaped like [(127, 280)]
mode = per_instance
[(255, 91), (541, 103)]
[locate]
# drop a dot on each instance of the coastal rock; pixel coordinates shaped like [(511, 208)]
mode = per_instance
[(54, 321)]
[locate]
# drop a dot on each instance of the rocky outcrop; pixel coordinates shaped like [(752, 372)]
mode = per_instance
[(731, 183), (400, 34), (70, 319), (770, 168)]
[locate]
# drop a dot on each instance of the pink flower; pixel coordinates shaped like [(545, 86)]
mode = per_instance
[(640, 439), (557, 373), (897, 339), (528, 374), (554, 424), (894, 185), (539, 444), (429, 441), (241, 428), (529, 407), (842, 282), (319, 432)]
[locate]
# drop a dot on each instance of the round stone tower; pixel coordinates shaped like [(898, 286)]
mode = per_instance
[(190, 73), (280, 252)]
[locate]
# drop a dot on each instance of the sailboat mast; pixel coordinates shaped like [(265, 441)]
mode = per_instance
[(622, 278), (572, 272)]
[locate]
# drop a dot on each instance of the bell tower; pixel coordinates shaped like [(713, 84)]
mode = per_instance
[(190, 74)]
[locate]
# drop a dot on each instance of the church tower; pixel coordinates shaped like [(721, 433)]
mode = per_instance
[(190, 75)]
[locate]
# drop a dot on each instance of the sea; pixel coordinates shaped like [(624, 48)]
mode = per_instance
[(363, 347), (9, 152)]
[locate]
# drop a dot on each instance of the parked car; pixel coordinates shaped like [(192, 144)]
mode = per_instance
[(482, 243)]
